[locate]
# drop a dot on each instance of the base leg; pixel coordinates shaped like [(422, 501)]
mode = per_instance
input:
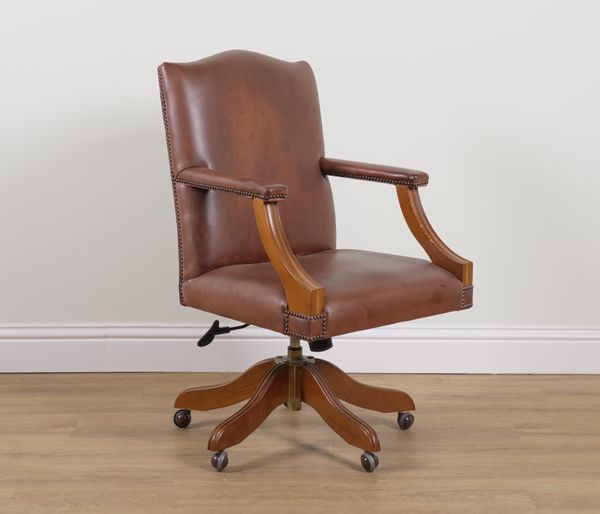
[(380, 399), (271, 393), (317, 393), (223, 395)]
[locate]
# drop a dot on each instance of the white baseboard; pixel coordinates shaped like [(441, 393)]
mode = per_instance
[(383, 350)]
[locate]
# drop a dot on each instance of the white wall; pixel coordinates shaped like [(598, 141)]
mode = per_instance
[(498, 101)]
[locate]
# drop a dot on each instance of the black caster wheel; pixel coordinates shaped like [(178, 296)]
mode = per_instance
[(182, 418), (405, 420), (369, 461), (219, 460)]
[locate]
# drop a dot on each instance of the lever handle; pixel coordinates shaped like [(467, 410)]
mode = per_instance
[(216, 330), (209, 335)]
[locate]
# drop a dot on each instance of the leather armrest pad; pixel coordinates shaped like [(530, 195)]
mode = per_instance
[(374, 172), (205, 178)]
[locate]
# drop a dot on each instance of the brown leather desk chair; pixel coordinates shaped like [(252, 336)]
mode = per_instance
[(256, 228)]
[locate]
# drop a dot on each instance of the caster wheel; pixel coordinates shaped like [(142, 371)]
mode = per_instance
[(405, 420), (182, 418), (219, 460), (369, 461)]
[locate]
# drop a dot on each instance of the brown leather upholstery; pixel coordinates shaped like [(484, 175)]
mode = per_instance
[(374, 172), (363, 290), (205, 178), (245, 114), (240, 124)]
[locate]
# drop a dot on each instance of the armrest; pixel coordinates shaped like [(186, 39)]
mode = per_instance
[(407, 181), (303, 294), (205, 178), (375, 172), (436, 249)]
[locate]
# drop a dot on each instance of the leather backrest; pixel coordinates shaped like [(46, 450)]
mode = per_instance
[(246, 114)]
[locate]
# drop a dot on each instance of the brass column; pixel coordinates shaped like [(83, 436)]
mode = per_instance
[(295, 362)]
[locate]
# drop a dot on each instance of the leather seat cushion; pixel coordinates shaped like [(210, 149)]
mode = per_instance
[(362, 290)]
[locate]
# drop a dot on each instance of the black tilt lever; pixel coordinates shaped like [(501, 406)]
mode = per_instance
[(216, 330)]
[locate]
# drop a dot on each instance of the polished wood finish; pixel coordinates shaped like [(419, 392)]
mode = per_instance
[(317, 393), (436, 249), (104, 443), (303, 294), (271, 393), (217, 396), (366, 396), (274, 385)]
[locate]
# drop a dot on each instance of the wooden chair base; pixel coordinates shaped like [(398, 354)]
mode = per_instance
[(269, 383)]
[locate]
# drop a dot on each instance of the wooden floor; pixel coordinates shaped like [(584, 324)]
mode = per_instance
[(480, 444)]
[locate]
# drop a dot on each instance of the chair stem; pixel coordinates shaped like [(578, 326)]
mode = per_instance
[(295, 363)]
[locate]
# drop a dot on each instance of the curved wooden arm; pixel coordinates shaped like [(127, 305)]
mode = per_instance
[(439, 253), (304, 295)]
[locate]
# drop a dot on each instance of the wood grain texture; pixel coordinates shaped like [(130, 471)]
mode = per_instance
[(436, 249), (303, 294), (218, 396), (381, 399), (105, 443), (271, 393), (317, 393)]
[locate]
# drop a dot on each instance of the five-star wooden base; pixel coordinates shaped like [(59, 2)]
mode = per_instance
[(273, 382)]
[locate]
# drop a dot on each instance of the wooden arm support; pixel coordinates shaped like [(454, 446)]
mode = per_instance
[(304, 295), (406, 182), (439, 253)]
